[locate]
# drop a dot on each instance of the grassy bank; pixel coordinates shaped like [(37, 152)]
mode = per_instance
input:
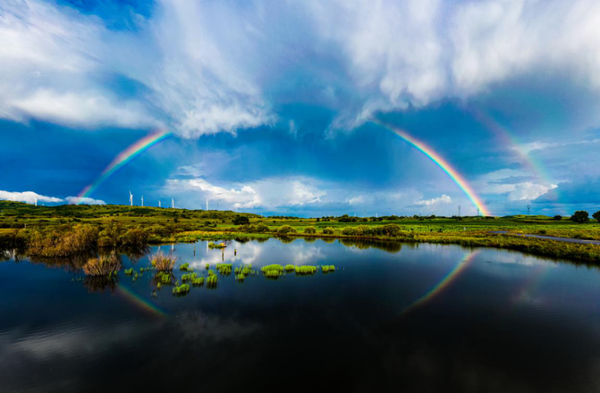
[(68, 230)]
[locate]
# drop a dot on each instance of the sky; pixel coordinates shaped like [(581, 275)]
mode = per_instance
[(288, 107)]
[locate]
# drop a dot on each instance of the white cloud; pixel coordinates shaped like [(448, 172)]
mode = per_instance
[(528, 191), (265, 193), (206, 67), (84, 201), (433, 202), (28, 197)]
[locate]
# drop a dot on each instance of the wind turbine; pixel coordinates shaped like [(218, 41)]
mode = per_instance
[(172, 203), (142, 201), (130, 198), (206, 204), (35, 200), (159, 206)]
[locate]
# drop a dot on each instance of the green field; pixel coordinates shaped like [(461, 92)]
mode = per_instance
[(48, 230)]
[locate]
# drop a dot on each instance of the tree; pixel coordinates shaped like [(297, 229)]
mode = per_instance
[(580, 216), (597, 215), (241, 220), (557, 218)]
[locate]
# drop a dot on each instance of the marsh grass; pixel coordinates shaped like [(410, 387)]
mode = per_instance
[(162, 262), (102, 266), (217, 245), (224, 268), (186, 267), (328, 268), (306, 270), (181, 290)]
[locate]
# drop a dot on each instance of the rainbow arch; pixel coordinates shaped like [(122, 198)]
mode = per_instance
[(140, 302), (460, 181), (443, 283), (123, 158)]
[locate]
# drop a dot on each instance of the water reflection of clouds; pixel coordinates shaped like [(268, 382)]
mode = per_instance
[(260, 254)]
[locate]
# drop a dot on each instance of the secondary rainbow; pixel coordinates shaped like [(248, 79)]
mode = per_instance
[(442, 163), (527, 160), (444, 283), (140, 302), (123, 158)]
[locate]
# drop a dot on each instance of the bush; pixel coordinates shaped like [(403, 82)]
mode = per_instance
[(557, 218), (310, 230), (241, 220), (328, 231), (102, 266), (580, 216), (162, 262), (285, 229), (597, 215), (261, 228)]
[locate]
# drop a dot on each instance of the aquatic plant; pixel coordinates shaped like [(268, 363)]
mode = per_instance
[(162, 262), (128, 272), (224, 268), (189, 277), (215, 245), (211, 281), (328, 268), (306, 270), (247, 270), (102, 266), (240, 277), (198, 281), (211, 273), (186, 267), (181, 290), (290, 268)]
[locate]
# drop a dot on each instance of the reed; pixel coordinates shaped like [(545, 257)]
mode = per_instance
[(186, 267), (306, 270), (196, 282), (189, 277), (181, 290), (102, 266), (224, 268), (162, 262), (328, 268)]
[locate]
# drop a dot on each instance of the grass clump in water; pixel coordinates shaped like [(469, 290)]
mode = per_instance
[(290, 268), (217, 245), (199, 281), (162, 262), (186, 268), (306, 270), (181, 290), (128, 272), (240, 277), (272, 271), (189, 277), (102, 266), (224, 268), (328, 268), (211, 281)]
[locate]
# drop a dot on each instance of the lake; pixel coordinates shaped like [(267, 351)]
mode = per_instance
[(415, 318)]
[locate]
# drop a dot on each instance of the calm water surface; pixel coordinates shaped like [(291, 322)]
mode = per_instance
[(430, 318)]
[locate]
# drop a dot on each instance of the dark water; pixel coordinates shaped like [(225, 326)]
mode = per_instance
[(500, 322)]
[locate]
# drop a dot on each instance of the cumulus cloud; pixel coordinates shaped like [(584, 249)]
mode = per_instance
[(528, 191), (84, 201), (265, 193), (28, 197), (442, 200), (202, 67)]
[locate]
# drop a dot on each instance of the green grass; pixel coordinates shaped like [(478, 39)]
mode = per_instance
[(71, 230)]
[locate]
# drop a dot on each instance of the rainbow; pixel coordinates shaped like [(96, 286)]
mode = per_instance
[(443, 284), (443, 164), (140, 302), (123, 158), (535, 167)]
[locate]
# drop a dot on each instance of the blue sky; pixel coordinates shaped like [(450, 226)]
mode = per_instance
[(271, 103)]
